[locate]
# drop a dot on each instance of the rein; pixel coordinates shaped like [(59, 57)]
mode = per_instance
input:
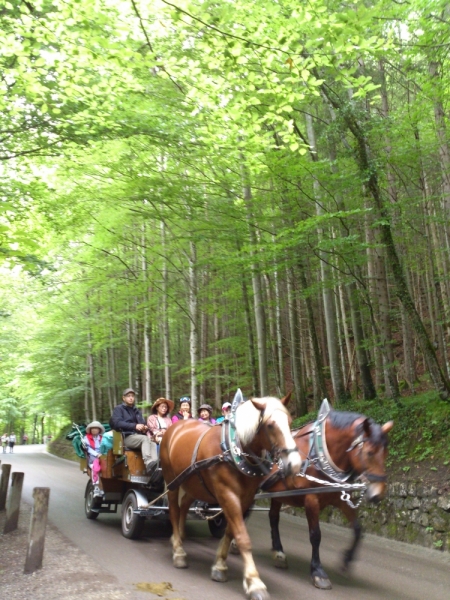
[(232, 452), (230, 443)]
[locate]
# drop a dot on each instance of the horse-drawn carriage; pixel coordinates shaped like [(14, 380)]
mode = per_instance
[(123, 481), (223, 467)]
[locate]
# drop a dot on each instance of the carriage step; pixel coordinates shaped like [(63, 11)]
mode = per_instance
[(109, 508)]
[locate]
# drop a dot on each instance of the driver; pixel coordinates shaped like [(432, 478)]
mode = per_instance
[(128, 419)]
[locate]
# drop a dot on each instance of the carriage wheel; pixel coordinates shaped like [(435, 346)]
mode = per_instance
[(90, 502), (217, 526), (132, 524)]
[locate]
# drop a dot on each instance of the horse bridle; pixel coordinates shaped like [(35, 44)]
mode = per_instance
[(319, 456), (258, 466), (359, 442), (275, 452)]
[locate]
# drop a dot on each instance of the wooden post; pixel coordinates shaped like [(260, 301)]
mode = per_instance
[(6, 470), (13, 510), (38, 525)]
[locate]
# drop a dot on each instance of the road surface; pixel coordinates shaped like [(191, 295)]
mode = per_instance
[(385, 569)]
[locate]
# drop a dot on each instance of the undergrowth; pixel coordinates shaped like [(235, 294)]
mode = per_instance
[(421, 425)]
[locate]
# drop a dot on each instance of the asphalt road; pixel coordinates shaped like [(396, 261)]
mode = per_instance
[(385, 569)]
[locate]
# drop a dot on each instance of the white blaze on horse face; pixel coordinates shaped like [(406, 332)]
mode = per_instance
[(277, 419), (291, 457)]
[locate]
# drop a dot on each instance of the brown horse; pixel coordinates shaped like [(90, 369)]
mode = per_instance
[(260, 426), (342, 447)]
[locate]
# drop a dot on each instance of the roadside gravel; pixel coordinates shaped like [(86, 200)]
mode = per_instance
[(67, 572)]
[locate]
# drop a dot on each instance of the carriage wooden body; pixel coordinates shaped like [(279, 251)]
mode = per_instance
[(124, 482)]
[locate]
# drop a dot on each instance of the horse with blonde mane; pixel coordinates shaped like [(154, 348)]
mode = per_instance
[(217, 467)]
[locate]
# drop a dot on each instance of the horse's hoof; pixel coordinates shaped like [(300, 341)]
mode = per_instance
[(279, 560), (259, 595), (233, 547), (323, 583), (180, 562), (219, 575)]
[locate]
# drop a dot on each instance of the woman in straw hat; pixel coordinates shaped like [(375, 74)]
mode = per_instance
[(159, 421)]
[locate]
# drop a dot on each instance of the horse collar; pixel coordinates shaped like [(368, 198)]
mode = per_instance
[(230, 442), (319, 454)]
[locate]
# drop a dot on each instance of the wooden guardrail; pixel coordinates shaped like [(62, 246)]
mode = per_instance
[(38, 525), (36, 541)]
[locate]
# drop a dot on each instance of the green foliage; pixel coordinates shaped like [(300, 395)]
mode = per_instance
[(119, 117), (421, 426)]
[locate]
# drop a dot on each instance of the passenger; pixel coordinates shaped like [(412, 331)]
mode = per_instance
[(185, 410), (204, 414), (92, 441), (226, 410), (128, 419), (159, 421)]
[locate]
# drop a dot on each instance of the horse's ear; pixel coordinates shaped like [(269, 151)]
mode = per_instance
[(258, 403), (286, 399), (367, 427), (387, 426)]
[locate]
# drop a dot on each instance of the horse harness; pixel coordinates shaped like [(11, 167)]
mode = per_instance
[(232, 454)]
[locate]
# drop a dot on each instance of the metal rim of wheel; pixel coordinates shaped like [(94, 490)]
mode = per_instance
[(90, 502), (132, 524)]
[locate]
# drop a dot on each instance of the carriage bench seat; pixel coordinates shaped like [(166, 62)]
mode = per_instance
[(133, 457)]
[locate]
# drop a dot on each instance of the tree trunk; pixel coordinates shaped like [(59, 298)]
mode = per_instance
[(279, 334), (193, 324), (369, 170), (340, 393), (165, 318), (250, 336), (260, 316), (146, 329), (294, 337), (317, 362), (91, 378), (369, 392), (86, 392), (217, 373)]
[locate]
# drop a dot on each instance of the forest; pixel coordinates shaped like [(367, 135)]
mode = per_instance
[(201, 195)]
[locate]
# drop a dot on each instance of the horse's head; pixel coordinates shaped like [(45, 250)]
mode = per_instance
[(368, 453), (266, 421)]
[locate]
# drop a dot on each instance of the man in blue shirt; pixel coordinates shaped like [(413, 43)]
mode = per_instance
[(128, 419)]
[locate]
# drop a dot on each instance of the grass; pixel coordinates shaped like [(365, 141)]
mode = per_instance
[(62, 447)]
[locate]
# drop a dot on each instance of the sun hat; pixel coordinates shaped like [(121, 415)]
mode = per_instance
[(206, 407), (226, 405), (162, 401), (95, 424)]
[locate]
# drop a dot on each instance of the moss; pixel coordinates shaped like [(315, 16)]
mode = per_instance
[(411, 533)]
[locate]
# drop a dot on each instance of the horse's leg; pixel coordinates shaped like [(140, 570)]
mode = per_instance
[(319, 577), (349, 554), (233, 546), (179, 555), (185, 504), (279, 557), (253, 586), (219, 569)]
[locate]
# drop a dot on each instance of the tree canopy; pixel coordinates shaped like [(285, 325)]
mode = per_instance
[(199, 196)]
